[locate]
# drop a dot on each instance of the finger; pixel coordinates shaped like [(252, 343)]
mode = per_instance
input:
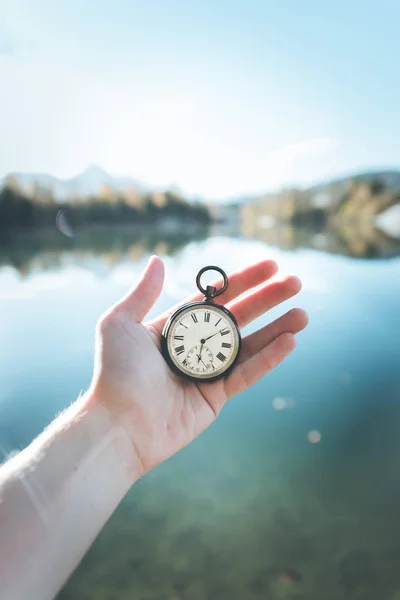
[(258, 302), (140, 299), (251, 370), (238, 283), (292, 322)]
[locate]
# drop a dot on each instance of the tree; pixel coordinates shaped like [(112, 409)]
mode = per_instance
[(377, 186)]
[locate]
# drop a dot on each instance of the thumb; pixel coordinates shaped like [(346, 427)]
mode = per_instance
[(140, 299)]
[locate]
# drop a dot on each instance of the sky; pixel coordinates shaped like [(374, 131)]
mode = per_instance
[(220, 98)]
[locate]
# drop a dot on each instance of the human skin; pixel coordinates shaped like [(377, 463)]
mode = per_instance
[(56, 495)]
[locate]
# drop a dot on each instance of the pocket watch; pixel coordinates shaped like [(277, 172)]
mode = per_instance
[(201, 340)]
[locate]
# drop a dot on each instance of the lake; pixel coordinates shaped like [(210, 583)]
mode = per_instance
[(294, 493)]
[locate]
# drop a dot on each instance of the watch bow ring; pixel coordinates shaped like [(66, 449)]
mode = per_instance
[(201, 340)]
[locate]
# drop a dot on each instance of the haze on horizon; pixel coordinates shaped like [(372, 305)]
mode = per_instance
[(220, 100)]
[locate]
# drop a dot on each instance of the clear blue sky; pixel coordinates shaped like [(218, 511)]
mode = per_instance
[(220, 97)]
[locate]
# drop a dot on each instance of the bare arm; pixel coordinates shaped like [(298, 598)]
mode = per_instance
[(56, 495)]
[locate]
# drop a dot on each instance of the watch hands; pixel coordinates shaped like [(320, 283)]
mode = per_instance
[(200, 359), (209, 337), (202, 342), (199, 355), (201, 348)]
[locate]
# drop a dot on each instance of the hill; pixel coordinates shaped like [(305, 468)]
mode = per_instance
[(88, 183), (359, 199)]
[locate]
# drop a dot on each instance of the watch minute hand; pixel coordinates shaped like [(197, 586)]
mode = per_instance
[(210, 336)]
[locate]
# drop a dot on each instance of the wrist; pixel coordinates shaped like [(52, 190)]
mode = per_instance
[(103, 423), (58, 493)]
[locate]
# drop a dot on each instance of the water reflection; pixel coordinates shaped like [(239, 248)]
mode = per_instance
[(361, 241), (294, 492), (48, 249)]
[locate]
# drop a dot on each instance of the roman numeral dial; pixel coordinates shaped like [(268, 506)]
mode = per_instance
[(202, 341)]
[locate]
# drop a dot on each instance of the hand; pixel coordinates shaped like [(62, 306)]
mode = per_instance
[(205, 363), (210, 336), (161, 412), (199, 354)]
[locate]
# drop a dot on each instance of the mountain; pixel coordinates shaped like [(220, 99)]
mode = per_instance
[(334, 189), (390, 179), (87, 183), (343, 204), (327, 195)]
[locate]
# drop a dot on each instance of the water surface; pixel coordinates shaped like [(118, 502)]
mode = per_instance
[(294, 492)]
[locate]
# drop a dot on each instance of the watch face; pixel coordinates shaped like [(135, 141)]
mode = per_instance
[(202, 341)]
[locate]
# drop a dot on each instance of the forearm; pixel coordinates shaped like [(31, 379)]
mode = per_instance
[(56, 495)]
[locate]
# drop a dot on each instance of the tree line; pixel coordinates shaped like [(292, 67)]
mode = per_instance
[(18, 210)]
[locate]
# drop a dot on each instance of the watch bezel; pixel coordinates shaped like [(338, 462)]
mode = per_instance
[(167, 356)]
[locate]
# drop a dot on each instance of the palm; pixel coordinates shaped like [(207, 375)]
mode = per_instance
[(161, 411)]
